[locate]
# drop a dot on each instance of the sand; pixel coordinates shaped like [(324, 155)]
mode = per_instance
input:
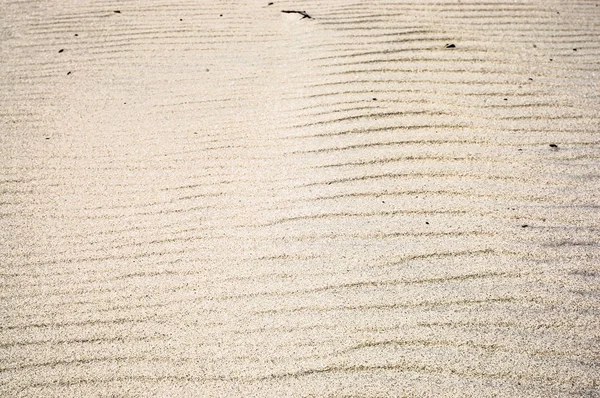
[(220, 199)]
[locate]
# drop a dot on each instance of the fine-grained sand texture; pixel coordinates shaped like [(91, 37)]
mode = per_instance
[(215, 198)]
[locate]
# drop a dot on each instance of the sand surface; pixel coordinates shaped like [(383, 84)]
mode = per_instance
[(215, 198)]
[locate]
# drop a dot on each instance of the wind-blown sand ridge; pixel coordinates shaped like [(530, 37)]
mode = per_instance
[(221, 199)]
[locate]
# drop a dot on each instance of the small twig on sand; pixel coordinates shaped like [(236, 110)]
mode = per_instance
[(303, 13)]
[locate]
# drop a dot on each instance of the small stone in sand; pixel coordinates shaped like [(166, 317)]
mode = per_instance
[(117, 12), (450, 46), (61, 50), (553, 146), (524, 226), (68, 73), (374, 99)]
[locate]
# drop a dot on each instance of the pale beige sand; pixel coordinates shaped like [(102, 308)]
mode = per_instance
[(217, 205)]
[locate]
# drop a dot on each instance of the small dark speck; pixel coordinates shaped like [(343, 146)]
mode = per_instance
[(117, 12), (557, 12), (47, 138), (374, 99), (180, 19), (61, 50), (68, 73), (524, 226), (450, 46), (195, 133), (550, 59), (220, 15), (76, 35), (383, 201), (531, 79), (574, 49), (534, 46), (427, 222), (553, 146), (208, 70), (270, 4), (505, 99), (519, 149), (124, 103)]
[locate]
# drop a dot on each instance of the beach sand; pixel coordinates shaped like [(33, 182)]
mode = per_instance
[(220, 199)]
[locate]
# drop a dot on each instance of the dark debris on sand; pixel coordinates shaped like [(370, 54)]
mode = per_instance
[(303, 13)]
